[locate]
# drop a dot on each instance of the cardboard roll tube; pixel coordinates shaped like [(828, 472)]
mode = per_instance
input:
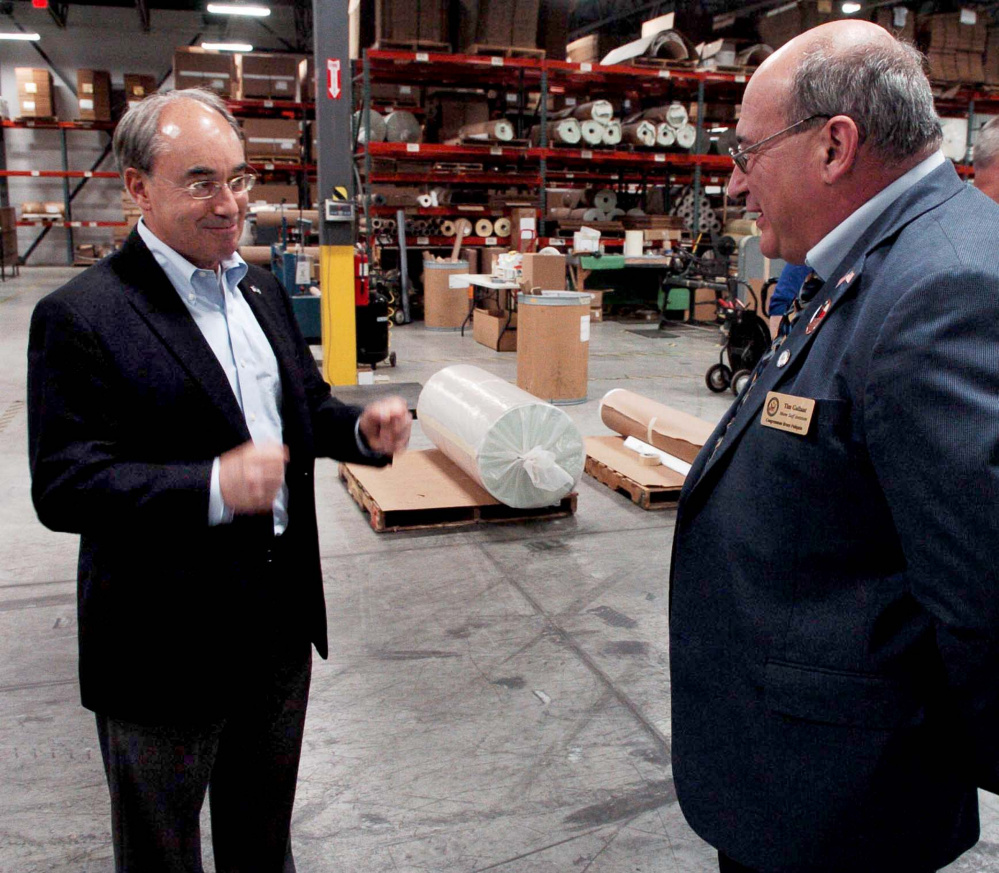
[(592, 131), (612, 132), (603, 198), (463, 226), (420, 226), (598, 110), (390, 225), (377, 223), (273, 219), (402, 126), (448, 228), (686, 136), (665, 135), (642, 133), (662, 427), (484, 227), (564, 213), (424, 201), (378, 127), (592, 214), (410, 227), (497, 131), (377, 199), (676, 115), (563, 132), (502, 227), (259, 255)]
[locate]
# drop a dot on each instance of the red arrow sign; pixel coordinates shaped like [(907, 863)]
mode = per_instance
[(333, 89)]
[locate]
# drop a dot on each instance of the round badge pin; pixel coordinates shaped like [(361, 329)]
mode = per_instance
[(785, 356)]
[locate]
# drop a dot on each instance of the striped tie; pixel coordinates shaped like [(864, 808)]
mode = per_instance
[(809, 288)]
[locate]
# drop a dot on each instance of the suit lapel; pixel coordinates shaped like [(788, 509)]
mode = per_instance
[(150, 293)]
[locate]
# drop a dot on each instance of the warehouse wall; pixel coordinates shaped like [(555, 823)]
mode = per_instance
[(110, 39)]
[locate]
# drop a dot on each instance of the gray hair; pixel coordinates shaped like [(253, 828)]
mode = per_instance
[(880, 85), (137, 140), (987, 145)]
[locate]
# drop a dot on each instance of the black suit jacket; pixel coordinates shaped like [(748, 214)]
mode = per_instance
[(128, 407), (834, 601)]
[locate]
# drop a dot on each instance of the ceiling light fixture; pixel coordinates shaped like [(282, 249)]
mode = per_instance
[(227, 46), (238, 9), (32, 37), (850, 8)]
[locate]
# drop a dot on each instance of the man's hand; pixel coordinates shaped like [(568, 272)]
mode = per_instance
[(385, 425), (251, 475)]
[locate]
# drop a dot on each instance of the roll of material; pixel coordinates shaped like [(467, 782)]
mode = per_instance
[(379, 129), (424, 201), (599, 110), (665, 135), (686, 136), (484, 227), (612, 132), (563, 132), (402, 126), (634, 242), (676, 115), (668, 45), (641, 133), (448, 228), (604, 199), (526, 453), (503, 227), (377, 224), (662, 427), (592, 131), (259, 255), (592, 214), (488, 131), (273, 219)]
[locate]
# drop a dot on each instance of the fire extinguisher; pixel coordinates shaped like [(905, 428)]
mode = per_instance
[(361, 285)]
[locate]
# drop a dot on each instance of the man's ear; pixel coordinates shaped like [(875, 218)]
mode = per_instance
[(840, 144), (137, 185)]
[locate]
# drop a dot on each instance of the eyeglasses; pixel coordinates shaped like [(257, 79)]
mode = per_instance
[(207, 189), (741, 156)]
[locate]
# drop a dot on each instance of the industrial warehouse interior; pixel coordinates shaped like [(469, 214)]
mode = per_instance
[(516, 217)]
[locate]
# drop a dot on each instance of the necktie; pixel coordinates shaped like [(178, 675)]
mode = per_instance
[(809, 288)]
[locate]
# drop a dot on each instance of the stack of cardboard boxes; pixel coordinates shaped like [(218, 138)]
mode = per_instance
[(194, 67), (8, 235), (956, 45), (34, 93), (93, 90), (273, 139), (270, 76), (138, 87), (404, 22)]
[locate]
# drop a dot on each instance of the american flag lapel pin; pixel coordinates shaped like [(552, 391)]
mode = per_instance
[(846, 279), (254, 289), (816, 320)]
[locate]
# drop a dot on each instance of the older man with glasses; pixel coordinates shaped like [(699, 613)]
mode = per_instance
[(834, 591), (175, 415)]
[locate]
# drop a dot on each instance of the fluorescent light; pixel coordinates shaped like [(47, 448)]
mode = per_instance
[(850, 8), (33, 37), (238, 9), (227, 46)]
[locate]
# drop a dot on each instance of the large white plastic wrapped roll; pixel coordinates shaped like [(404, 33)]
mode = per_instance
[(526, 453)]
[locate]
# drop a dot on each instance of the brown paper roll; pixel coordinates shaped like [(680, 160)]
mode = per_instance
[(259, 255), (273, 219), (662, 427)]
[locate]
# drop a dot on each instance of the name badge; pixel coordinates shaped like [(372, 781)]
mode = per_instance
[(786, 412)]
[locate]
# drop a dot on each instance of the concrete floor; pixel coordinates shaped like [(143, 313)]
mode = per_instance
[(495, 698)]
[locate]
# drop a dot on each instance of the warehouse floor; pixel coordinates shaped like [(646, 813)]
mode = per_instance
[(495, 698)]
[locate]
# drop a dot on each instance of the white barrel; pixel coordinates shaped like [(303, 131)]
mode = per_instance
[(604, 199), (378, 127), (634, 242), (523, 451), (402, 126)]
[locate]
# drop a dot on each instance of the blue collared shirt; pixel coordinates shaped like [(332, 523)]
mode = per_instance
[(243, 350), (827, 254)]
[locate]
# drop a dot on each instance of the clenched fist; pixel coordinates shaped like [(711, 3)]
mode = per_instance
[(251, 475), (385, 425)]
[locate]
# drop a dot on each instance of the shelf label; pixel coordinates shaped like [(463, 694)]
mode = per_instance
[(35, 173), (660, 159), (423, 240), (87, 174), (412, 147), (570, 101), (615, 176), (664, 74), (93, 224), (422, 57), (556, 242), (268, 166), (714, 179), (496, 62), (586, 154), (570, 175), (968, 16), (73, 224), (496, 150), (492, 241), (268, 104), (586, 68), (511, 98), (740, 79)]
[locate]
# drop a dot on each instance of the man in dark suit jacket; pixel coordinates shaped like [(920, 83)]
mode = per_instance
[(834, 600), (175, 414)]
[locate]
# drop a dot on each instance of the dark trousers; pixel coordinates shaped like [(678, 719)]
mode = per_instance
[(727, 865), (247, 763)]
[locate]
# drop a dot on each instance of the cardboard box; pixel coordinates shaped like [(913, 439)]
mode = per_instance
[(34, 92), (270, 76), (403, 21), (525, 228), (93, 89), (272, 138), (546, 272), (487, 324), (705, 311), (395, 95), (274, 194), (53, 209), (138, 87), (596, 305), (195, 67), (449, 111)]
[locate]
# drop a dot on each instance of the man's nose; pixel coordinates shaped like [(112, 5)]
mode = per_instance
[(737, 183), (225, 203)]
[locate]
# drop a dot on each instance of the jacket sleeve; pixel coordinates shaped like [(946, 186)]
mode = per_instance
[(932, 420), (82, 478)]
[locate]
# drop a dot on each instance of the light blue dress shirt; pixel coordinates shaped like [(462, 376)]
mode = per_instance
[(827, 254), (231, 329)]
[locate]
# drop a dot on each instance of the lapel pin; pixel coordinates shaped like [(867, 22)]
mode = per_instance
[(816, 320), (254, 289), (846, 279), (785, 356)]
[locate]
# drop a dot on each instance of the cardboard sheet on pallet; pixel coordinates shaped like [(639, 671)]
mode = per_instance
[(610, 451)]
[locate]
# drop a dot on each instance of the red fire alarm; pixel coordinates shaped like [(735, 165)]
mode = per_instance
[(40, 4)]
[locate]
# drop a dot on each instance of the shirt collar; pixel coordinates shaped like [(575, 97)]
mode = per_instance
[(180, 270), (827, 254)]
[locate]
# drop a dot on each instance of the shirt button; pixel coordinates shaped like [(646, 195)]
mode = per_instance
[(192, 297), (242, 364), (253, 417)]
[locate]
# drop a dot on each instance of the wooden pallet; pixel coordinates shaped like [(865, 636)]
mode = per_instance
[(609, 462), (506, 51), (645, 496), (458, 502), (663, 64), (412, 45)]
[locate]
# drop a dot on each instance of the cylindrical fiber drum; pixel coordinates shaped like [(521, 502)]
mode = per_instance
[(444, 308), (553, 345), (524, 452)]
